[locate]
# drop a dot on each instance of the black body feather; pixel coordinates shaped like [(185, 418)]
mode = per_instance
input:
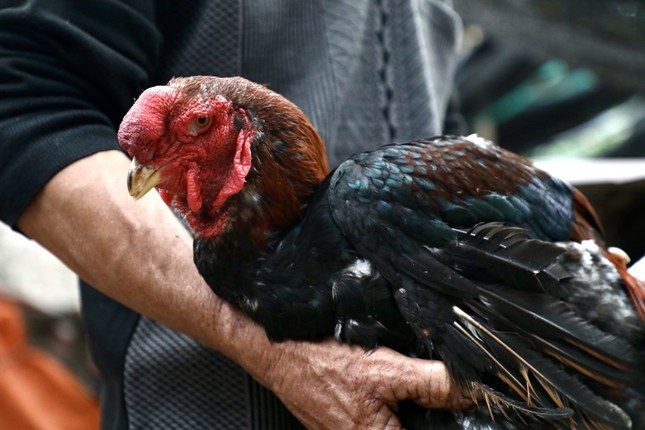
[(444, 249)]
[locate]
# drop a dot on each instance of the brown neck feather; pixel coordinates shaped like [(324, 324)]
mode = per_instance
[(289, 172), (288, 158)]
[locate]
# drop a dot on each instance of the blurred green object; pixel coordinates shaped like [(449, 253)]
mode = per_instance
[(599, 137), (551, 83)]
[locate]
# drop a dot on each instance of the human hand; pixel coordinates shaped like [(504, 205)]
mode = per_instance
[(328, 385)]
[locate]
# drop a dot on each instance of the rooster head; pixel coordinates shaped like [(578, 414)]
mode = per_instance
[(223, 151)]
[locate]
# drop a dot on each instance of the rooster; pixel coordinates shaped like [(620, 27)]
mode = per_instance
[(448, 248)]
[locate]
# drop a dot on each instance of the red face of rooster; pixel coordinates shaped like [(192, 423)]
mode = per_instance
[(193, 140), (179, 144)]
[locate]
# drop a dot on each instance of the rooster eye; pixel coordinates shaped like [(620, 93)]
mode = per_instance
[(200, 124)]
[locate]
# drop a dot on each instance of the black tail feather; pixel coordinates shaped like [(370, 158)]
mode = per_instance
[(578, 395), (540, 315), (572, 356), (563, 389), (491, 306), (508, 254)]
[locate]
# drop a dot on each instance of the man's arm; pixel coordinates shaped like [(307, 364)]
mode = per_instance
[(139, 254)]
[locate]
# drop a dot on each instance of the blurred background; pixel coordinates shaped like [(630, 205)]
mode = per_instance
[(562, 82)]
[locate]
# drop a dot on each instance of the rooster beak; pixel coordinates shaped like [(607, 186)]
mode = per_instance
[(141, 179)]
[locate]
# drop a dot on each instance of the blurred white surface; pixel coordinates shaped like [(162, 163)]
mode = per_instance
[(30, 274), (595, 171), (638, 269)]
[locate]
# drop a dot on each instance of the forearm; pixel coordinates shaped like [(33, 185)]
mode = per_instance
[(139, 254), (136, 252)]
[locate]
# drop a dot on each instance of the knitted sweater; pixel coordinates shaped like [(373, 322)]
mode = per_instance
[(365, 72)]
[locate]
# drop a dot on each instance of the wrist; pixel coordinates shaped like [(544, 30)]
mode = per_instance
[(245, 342)]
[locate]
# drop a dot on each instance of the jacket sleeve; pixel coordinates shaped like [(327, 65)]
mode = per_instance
[(69, 70)]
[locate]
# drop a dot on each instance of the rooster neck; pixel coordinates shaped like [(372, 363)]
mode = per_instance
[(288, 163), (229, 260), (226, 262)]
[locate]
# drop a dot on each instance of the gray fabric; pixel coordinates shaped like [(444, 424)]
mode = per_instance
[(397, 89), (366, 73), (173, 382)]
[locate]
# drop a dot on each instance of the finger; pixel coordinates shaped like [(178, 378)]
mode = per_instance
[(385, 419), (426, 382), (433, 387)]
